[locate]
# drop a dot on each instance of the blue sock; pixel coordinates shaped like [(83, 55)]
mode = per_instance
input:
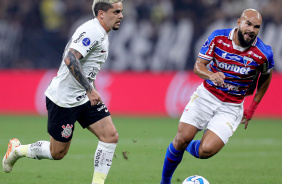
[(171, 161), (193, 148)]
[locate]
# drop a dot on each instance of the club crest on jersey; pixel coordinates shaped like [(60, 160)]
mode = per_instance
[(67, 131), (247, 60), (86, 41)]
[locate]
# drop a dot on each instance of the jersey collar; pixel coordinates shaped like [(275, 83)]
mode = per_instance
[(97, 22)]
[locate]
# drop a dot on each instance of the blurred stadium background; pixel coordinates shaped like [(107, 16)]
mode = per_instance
[(150, 60), (146, 83), (156, 35)]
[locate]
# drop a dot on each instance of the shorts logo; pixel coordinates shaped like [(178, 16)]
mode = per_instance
[(67, 131), (103, 106), (86, 41), (230, 126)]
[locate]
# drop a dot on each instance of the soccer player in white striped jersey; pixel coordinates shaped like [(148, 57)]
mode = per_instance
[(72, 96)]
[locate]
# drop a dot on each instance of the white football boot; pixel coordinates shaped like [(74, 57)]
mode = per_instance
[(11, 156)]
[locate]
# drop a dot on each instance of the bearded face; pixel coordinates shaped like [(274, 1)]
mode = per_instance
[(246, 38)]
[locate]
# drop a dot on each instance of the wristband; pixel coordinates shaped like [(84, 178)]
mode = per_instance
[(249, 112)]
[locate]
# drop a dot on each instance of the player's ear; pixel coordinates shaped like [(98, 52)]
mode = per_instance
[(101, 14), (238, 22)]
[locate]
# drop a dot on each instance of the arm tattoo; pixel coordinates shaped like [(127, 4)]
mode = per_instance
[(94, 85), (76, 70)]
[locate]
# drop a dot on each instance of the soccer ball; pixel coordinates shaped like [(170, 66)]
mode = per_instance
[(195, 180)]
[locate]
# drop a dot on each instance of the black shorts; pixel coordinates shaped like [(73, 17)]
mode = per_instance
[(61, 120)]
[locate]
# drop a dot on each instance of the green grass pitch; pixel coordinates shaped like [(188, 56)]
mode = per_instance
[(251, 156)]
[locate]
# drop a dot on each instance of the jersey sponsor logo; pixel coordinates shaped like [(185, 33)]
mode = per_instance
[(229, 87), (230, 57), (92, 46), (67, 131), (234, 58), (86, 41), (224, 55), (247, 60), (211, 48), (234, 68), (79, 98), (254, 54), (223, 43), (79, 37)]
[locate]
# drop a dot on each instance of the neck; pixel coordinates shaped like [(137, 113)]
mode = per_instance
[(102, 23), (235, 37)]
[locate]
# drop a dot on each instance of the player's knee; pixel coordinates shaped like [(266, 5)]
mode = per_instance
[(112, 137), (115, 137), (206, 152), (58, 155), (180, 142)]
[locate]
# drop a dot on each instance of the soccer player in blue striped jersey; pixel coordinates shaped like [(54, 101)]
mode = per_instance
[(239, 62)]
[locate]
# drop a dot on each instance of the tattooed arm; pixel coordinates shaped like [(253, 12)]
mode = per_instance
[(75, 68)]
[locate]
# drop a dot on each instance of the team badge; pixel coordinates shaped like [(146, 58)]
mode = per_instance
[(67, 131), (86, 41), (247, 60)]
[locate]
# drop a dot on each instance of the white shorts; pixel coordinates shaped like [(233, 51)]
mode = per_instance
[(204, 110)]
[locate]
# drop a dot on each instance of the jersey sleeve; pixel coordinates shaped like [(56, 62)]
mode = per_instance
[(269, 63), (84, 40), (207, 50)]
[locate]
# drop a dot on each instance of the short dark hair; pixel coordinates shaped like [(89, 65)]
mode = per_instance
[(101, 6)]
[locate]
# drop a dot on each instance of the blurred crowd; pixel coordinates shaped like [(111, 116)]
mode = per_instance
[(33, 33)]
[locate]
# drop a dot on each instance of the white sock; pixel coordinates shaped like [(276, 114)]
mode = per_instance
[(39, 150), (103, 161)]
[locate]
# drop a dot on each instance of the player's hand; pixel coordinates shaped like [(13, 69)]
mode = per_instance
[(245, 121), (217, 78), (94, 97), (249, 113)]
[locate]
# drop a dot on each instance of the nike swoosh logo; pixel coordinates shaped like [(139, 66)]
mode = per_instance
[(103, 51), (106, 110)]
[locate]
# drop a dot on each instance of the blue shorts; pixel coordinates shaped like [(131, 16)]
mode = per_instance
[(61, 120)]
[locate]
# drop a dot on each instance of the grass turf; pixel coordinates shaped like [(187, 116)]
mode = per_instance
[(251, 156)]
